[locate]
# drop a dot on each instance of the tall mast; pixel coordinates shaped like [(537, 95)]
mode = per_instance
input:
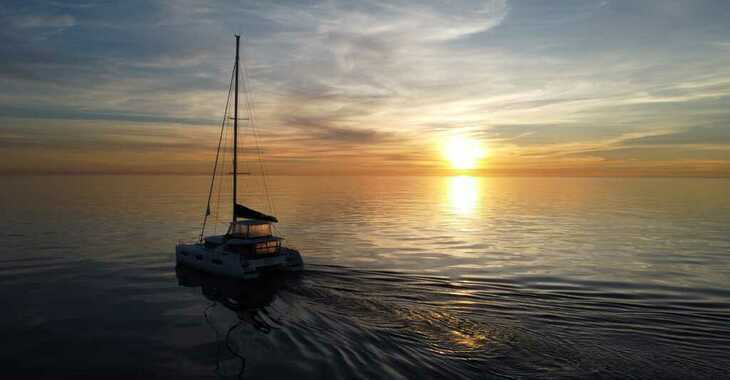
[(235, 134)]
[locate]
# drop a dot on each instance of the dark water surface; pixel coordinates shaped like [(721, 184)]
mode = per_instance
[(405, 278)]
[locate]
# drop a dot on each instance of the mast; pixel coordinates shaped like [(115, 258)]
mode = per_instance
[(235, 134)]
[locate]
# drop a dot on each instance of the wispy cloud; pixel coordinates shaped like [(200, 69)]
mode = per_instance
[(45, 21), (375, 83)]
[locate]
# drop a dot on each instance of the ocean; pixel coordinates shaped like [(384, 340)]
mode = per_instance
[(405, 277)]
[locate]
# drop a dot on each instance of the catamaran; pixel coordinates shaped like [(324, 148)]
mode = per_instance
[(249, 247)]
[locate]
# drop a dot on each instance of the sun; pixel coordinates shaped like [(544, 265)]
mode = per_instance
[(463, 153)]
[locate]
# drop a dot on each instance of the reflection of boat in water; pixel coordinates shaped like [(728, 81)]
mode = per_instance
[(249, 301), (236, 295), (249, 247)]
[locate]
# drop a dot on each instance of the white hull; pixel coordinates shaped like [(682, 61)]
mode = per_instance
[(220, 262)]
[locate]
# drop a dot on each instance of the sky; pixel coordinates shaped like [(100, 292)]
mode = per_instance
[(625, 88)]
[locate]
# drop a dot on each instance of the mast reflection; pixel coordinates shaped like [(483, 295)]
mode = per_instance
[(248, 300)]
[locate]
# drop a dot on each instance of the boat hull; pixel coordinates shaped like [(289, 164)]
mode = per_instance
[(219, 262)]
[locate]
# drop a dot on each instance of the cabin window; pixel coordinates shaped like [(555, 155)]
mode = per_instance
[(259, 230), (268, 248), (238, 230), (250, 230)]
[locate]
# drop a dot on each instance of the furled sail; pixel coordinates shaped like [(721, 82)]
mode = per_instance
[(245, 212)]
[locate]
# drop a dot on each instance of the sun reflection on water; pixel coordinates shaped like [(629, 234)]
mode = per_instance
[(464, 194), (469, 340)]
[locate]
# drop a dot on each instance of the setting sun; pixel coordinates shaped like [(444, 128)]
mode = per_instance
[(463, 153)]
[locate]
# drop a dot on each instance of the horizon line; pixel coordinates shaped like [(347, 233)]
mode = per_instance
[(83, 174)]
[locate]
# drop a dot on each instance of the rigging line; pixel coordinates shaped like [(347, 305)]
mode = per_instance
[(252, 122), (259, 155), (222, 170), (244, 163), (217, 154)]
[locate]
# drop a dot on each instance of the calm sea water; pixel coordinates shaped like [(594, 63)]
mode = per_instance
[(405, 278)]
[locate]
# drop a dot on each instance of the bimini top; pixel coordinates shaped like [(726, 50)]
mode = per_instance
[(241, 211), (253, 222)]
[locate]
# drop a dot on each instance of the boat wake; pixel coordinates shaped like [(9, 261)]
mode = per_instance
[(340, 322)]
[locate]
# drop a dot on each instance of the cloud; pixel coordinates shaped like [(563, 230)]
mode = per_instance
[(371, 81), (703, 135), (75, 114), (660, 154), (45, 21), (319, 130)]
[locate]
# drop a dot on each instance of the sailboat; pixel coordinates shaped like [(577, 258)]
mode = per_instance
[(249, 247)]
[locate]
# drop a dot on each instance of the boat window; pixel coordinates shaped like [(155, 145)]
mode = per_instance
[(267, 248), (259, 230), (238, 230), (250, 230)]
